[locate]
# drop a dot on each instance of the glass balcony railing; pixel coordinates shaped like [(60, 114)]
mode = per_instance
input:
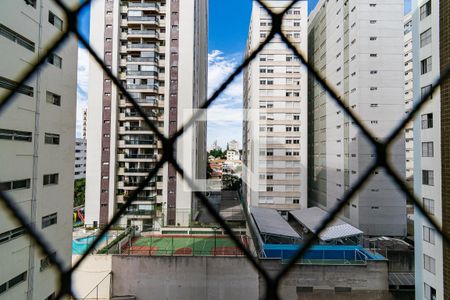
[(143, 156), (138, 170), (142, 59), (142, 73), (140, 142), (143, 19), (143, 32), (143, 5), (143, 46), (142, 87)]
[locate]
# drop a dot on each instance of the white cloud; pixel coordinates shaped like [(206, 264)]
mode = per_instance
[(82, 87), (225, 114)]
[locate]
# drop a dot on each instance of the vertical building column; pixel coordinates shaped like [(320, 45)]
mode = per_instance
[(444, 38), (173, 114), (106, 118)]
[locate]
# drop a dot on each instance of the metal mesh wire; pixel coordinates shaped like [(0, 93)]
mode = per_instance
[(272, 282)]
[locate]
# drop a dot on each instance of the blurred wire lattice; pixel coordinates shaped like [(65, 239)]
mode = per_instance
[(272, 282)]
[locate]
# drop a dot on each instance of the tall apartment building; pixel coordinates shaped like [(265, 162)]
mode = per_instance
[(37, 135), (431, 44), (158, 49), (275, 125), (358, 47), (80, 158), (409, 134)]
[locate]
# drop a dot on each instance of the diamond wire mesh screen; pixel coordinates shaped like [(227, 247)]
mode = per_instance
[(272, 282)]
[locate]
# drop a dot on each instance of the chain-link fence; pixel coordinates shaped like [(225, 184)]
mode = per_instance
[(272, 282)]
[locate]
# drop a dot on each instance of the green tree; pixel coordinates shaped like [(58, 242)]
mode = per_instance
[(79, 189), (231, 182), (217, 153)]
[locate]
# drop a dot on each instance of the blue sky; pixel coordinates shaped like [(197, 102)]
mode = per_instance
[(228, 27)]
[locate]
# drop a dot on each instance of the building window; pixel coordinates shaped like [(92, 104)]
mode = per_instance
[(31, 3), (426, 90), (15, 184), (425, 38), (429, 264), (13, 282), (428, 205), (11, 84), (428, 235), (269, 189), (51, 138), (55, 21), (46, 261), (425, 10), (15, 135), (429, 292), (428, 177), (425, 65), (49, 220), (427, 121), (11, 234), (53, 98), (51, 179), (16, 38), (427, 149), (54, 60)]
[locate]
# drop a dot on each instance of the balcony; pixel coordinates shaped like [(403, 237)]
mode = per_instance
[(144, 20), (143, 73), (141, 156), (143, 6), (143, 46), (144, 33), (153, 87), (140, 142), (138, 170), (142, 59)]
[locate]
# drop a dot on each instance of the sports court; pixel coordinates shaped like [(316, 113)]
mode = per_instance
[(160, 245)]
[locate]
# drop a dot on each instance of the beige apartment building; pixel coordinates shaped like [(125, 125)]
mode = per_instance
[(158, 49), (37, 137), (358, 47), (409, 133), (275, 103)]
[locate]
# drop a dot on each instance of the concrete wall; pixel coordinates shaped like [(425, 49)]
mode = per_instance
[(369, 282), (184, 278), (92, 273)]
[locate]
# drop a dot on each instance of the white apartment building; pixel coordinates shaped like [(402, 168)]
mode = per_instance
[(233, 145), (275, 100), (409, 136), (431, 56), (233, 155), (80, 158), (158, 49), (357, 45), (37, 135)]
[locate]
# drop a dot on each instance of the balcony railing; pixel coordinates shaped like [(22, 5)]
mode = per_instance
[(143, 32), (140, 212), (149, 115), (143, 5), (142, 87), (142, 59), (137, 128), (143, 19), (143, 46), (140, 142), (138, 170), (142, 73), (144, 156)]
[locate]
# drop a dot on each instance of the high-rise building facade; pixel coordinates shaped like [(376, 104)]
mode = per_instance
[(357, 46), (80, 159), (409, 134), (431, 44), (37, 136), (158, 49), (275, 102)]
